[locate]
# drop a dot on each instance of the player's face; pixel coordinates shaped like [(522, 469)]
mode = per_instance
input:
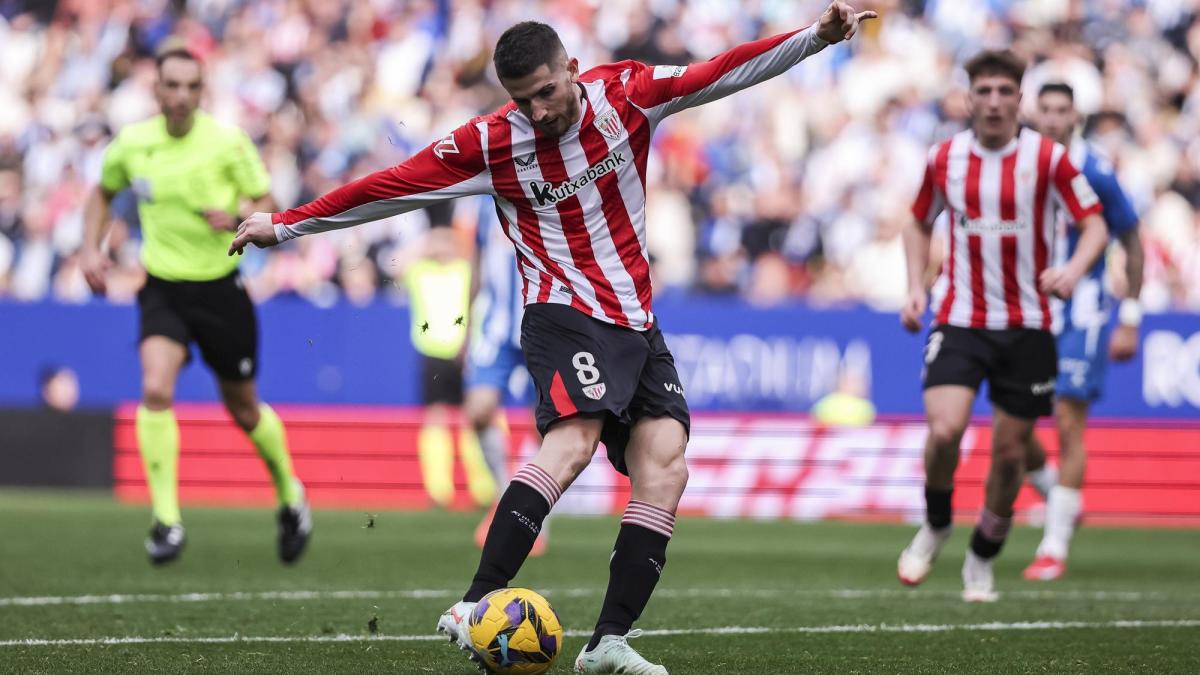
[(994, 101), (1057, 116), (180, 84), (548, 96)]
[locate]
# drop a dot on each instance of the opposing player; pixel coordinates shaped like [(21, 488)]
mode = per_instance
[(189, 174), (1002, 187), (494, 356), (566, 164), (1083, 336)]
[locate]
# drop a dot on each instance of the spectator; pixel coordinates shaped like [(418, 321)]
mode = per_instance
[(793, 189)]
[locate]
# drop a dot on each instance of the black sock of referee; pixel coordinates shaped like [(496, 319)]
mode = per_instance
[(990, 534), (515, 526), (637, 561), (937, 507)]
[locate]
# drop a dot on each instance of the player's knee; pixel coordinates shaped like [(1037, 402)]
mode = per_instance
[(675, 474), (573, 448), (1008, 460), (479, 416), (944, 434), (158, 393), (244, 415)]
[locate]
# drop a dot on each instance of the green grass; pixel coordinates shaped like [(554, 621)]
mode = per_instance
[(774, 575)]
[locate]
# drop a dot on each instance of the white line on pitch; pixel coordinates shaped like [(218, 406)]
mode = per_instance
[(720, 630), (419, 594)]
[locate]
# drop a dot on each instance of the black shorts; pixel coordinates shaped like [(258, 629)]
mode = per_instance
[(217, 315), (581, 365), (441, 381), (1020, 364)]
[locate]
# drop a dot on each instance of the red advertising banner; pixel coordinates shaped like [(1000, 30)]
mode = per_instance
[(742, 465)]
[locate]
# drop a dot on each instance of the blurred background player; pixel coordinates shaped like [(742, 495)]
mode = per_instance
[(439, 290), (494, 359), (1002, 187), (849, 405), (1083, 336), (190, 174)]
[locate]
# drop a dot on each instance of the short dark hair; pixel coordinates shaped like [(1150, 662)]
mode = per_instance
[(1057, 88), (173, 48), (996, 62), (524, 48)]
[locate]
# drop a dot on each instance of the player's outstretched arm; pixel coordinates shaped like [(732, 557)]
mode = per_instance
[(663, 90), (450, 168), (840, 22)]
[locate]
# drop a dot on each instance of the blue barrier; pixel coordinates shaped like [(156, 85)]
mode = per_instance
[(730, 356)]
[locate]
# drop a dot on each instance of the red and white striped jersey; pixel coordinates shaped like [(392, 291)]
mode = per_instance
[(1002, 207), (574, 206)]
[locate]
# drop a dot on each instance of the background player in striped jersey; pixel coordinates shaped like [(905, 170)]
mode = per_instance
[(566, 164), (495, 364), (1002, 188), (1083, 337)]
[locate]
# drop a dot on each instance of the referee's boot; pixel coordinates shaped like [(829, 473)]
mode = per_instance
[(295, 528), (165, 542)]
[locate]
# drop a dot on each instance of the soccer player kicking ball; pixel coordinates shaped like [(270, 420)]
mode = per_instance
[(1002, 188), (188, 173), (1083, 336), (566, 165)]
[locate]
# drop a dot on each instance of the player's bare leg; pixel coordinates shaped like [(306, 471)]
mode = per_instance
[(1010, 438), (566, 451), (658, 475), (1064, 503), (158, 442), (948, 411), (266, 432), (1039, 473)]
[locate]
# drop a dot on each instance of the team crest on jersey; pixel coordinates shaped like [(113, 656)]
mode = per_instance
[(609, 125), (446, 146), (595, 392)]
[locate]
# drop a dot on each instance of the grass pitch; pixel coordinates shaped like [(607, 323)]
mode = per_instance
[(77, 595)]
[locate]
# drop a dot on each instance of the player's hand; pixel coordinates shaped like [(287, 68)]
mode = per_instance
[(840, 22), (913, 311), (1123, 345), (1059, 281), (94, 266), (258, 230), (220, 220)]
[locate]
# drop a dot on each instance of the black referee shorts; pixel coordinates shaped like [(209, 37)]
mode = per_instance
[(217, 315), (581, 365)]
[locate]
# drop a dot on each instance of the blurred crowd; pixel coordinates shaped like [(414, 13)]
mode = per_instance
[(795, 188)]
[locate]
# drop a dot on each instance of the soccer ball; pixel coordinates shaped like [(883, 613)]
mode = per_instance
[(516, 632)]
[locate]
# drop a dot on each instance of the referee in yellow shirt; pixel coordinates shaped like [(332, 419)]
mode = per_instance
[(190, 174)]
